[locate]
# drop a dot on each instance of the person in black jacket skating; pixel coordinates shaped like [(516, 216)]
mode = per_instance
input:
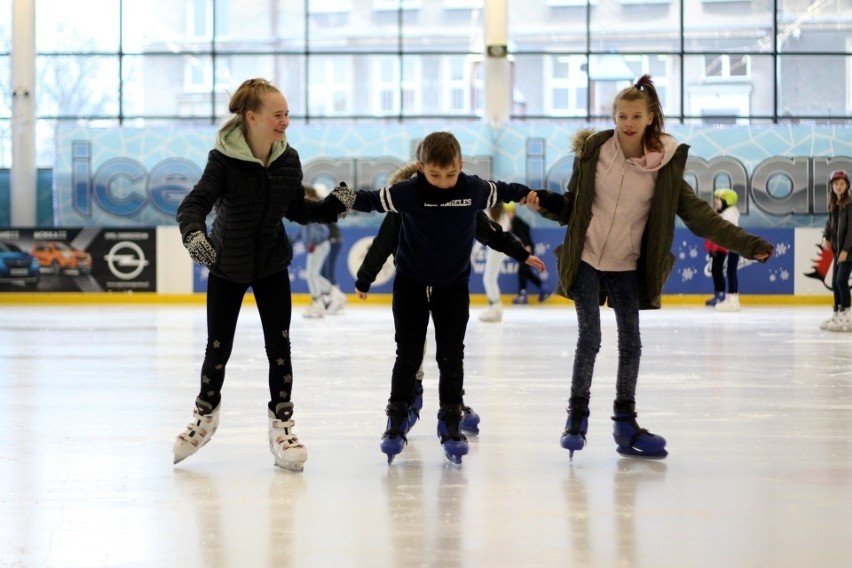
[(252, 179), (837, 238), (384, 244), (439, 207), (522, 231)]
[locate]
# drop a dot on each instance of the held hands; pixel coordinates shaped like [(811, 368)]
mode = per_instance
[(540, 199), (200, 248), (531, 201), (345, 196)]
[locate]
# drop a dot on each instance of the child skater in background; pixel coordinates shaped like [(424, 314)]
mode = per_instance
[(522, 231), (493, 263), (837, 237), (335, 300), (315, 238), (439, 208), (325, 297), (620, 204), (253, 178), (385, 244), (725, 201)]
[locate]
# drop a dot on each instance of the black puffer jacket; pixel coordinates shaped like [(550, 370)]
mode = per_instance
[(250, 201)]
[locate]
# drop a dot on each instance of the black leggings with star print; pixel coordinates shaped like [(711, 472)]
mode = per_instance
[(274, 304)]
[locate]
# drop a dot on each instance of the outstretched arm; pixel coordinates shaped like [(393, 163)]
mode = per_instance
[(492, 235), (703, 221), (335, 206)]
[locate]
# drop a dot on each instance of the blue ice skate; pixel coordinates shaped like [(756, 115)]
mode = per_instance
[(576, 426), (452, 440), (717, 298), (469, 421), (394, 439), (633, 441)]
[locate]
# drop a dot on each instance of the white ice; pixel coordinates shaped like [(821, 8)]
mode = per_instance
[(756, 407)]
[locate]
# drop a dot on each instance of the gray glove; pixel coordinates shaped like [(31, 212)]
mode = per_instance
[(345, 196), (200, 248)]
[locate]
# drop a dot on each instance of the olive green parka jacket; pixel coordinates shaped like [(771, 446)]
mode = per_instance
[(672, 196)]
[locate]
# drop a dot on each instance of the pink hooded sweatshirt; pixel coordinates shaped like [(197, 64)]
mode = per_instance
[(623, 192)]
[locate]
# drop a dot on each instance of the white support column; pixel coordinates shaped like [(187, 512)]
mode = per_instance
[(23, 173), (498, 80)]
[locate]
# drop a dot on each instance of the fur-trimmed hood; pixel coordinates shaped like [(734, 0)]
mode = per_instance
[(402, 173), (578, 141), (650, 161)]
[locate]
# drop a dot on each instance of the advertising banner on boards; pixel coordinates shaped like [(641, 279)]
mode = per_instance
[(78, 260)]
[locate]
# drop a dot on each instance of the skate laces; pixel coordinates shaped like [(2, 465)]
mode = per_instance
[(574, 424), (396, 426), (451, 421), (638, 431), (283, 435), (398, 422), (198, 429)]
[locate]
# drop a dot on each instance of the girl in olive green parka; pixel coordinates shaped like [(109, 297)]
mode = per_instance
[(625, 190)]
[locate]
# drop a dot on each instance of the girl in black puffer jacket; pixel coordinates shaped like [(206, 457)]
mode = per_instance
[(253, 179)]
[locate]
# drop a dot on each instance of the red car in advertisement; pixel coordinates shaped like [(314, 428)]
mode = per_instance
[(56, 257)]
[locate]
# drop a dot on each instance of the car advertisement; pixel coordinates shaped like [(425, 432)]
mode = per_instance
[(77, 260)]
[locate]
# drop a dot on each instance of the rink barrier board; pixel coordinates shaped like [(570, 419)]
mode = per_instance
[(125, 263)]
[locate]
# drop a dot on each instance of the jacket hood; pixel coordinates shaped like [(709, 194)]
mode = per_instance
[(232, 143), (651, 161), (402, 173), (578, 141)]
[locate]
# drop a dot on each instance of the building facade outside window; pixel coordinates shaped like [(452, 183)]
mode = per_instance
[(154, 62)]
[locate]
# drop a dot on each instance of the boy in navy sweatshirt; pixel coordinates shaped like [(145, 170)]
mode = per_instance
[(439, 208)]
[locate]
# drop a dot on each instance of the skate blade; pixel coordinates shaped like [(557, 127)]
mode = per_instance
[(294, 467), (631, 453), (390, 454), (453, 461)]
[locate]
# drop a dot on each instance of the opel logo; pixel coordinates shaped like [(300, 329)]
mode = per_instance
[(126, 260)]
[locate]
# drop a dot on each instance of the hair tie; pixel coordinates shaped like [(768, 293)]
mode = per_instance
[(637, 86)]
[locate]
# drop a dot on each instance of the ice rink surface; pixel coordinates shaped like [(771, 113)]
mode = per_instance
[(756, 407)]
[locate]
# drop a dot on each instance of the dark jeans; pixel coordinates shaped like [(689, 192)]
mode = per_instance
[(840, 284), (327, 270), (450, 308), (717, 270), (623, 291), (224, 300)]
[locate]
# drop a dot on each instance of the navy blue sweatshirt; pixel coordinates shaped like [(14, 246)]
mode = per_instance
[(438, 225)]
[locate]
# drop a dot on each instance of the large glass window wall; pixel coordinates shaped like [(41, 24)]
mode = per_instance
[(153, 62)]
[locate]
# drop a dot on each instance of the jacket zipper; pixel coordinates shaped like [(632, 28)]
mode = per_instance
[(259, 231)]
